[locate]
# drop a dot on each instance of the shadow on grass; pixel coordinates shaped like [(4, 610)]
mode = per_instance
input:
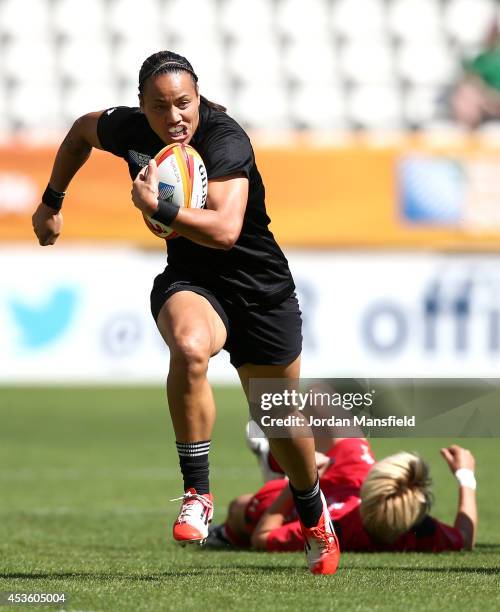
[(437, 570), (486, 547), (237, 568), (142, 577)]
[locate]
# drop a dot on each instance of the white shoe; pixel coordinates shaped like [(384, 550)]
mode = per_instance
[(194, 517)]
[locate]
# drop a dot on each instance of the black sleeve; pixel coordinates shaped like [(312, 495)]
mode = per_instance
[(426, 528), (112, 129), (228, 151)]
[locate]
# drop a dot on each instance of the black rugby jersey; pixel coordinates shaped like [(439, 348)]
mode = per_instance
[(255, 271)]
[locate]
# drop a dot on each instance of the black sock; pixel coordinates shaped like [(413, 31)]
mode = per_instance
[(193, 459), (308, 503)]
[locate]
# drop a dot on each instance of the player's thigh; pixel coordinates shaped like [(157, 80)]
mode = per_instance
[(188, 319), (288, 371)]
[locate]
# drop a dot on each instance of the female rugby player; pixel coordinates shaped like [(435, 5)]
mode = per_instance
[(376, 506), (227, 283)]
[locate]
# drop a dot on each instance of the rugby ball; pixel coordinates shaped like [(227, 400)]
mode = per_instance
[(182, 180)]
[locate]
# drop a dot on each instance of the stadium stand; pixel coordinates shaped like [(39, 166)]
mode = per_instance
[(365, 64)]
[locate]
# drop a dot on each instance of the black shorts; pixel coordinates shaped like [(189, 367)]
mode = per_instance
[(255, 334)]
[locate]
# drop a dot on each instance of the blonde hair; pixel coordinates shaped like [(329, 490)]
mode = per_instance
[(395, 496)]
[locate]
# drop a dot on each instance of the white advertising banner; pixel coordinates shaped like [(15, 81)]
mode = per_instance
[(82, 315)]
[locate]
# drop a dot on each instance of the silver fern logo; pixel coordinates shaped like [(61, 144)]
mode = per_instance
[(139, 159)]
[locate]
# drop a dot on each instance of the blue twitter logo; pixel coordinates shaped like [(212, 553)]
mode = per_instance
[(43, 323)]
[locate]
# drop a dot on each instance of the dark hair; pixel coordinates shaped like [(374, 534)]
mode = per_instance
[(167, 61)]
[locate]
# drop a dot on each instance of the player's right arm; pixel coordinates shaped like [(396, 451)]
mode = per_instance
[(459, 458), (272, 519), (72, 154)]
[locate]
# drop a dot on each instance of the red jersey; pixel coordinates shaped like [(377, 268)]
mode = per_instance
[(352, 459)]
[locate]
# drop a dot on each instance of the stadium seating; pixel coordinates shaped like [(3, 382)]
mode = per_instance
[(370, 62), (79, 99), (261, 109), (414, 61), (359, 19), (335, 55), (466, 21), (375, 107), (128, 20), (310, 63), (81, 62), (320, 108), (241, 21), (416, 20), (203, 19), (422, 105), (11, 26), (76, 19), (128, 55), (296, 19)]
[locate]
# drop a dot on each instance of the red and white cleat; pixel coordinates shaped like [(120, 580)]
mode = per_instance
[(194, 517), (321, 544)]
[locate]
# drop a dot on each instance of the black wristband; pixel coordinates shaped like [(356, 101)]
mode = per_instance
[(166, 213), (52, 198)]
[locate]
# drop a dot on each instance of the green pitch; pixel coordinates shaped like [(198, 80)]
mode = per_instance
[(86, 476)]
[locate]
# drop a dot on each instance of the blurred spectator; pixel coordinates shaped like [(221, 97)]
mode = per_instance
[(476, 98)]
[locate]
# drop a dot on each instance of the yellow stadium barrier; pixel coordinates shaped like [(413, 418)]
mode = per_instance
[(408, 194)]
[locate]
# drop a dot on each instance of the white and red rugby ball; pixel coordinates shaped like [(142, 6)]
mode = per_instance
[(182, 180)]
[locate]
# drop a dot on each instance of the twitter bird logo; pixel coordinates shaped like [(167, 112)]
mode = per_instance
[(42, 324)]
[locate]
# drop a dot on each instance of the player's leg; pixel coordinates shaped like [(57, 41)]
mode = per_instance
[(296, 455), (193, 332)]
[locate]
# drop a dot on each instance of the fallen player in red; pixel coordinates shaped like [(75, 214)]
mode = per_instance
[(376, 506)]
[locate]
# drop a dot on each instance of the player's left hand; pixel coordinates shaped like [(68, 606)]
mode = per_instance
[(145, 189), (457, 457)]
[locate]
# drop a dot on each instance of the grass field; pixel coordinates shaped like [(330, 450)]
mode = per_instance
[(86, 476)]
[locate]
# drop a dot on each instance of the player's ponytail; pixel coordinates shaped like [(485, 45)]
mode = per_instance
[(167, 61), (395, 496)]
